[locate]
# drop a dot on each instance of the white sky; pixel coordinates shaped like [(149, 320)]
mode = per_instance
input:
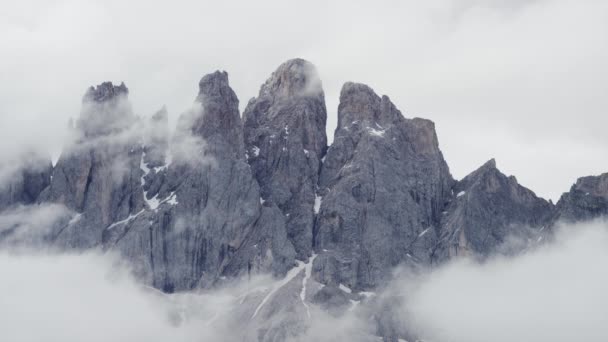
[(523, 81)]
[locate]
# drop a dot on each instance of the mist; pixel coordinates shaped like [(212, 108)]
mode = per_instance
[(554, 292), (522, 81)]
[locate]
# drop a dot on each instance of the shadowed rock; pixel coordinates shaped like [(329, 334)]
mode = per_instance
[(490, 213), (586, 200), (98, 175), (384, 184), (285, 141), (209, 222)]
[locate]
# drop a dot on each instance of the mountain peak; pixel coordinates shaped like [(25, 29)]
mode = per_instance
[(594, 185), (105, 91), (296, 77)]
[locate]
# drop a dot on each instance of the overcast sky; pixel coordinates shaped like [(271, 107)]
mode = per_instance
[(523, 81)]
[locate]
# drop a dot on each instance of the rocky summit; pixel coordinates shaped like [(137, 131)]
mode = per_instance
[(224, 197)]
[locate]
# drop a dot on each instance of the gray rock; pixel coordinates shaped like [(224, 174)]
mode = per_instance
[(210, 222), (489, 214), (586, 200), (99, 175), (384, 184), (285, 141), (24, 184)]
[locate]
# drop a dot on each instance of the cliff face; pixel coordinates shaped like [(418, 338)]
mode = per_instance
[(225, 196), (285, 140), (384, 183), (98, 175), (204, 219), (587, 199), (490, 213)]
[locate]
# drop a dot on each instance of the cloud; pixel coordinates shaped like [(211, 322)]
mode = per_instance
[(516, 80), (553, 293), (29, 225)]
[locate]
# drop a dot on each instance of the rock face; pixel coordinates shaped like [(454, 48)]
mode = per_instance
[(490, 213), (285, 140), (99, 175), (384, 184), (587, 199), (206, 220), (24, 185), (225, 197)]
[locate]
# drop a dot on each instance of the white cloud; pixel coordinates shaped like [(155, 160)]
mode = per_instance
[(555, 293), (528, 76)]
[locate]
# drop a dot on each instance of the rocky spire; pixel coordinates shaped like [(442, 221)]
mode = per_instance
[(99, 175), (285, 140), (586, 200), (490, 213), (384, 183), (205, 221), (215, 116), (105, 110)]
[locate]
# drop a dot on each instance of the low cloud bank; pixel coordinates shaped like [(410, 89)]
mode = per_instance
[(556, 292)]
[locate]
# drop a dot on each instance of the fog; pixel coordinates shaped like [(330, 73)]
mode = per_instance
[(555, 292), (522, 81)]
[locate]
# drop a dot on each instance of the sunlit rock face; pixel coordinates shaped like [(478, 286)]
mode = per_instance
[(285, 141), (384, 184)]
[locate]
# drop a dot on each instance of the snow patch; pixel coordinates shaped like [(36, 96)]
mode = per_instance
[(74, 219), (423, 232), (131, 217), (376, 132), (307, 274), (318, 201), (345, 288), (153, 202), (288, 277), (461, 193), (255, 150), (172, 199)]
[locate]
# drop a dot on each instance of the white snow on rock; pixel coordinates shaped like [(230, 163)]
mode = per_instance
[(345, 288), (376, 132), (318, 201), (307, 274), (256, 151), (172, 199), (131, 217), (423, 232), (291, 274), (153, 202), (460, 194)]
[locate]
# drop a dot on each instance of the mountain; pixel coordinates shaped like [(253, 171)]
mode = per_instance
[(226, 197), (587, 199), (384, 183), (490, 213)]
